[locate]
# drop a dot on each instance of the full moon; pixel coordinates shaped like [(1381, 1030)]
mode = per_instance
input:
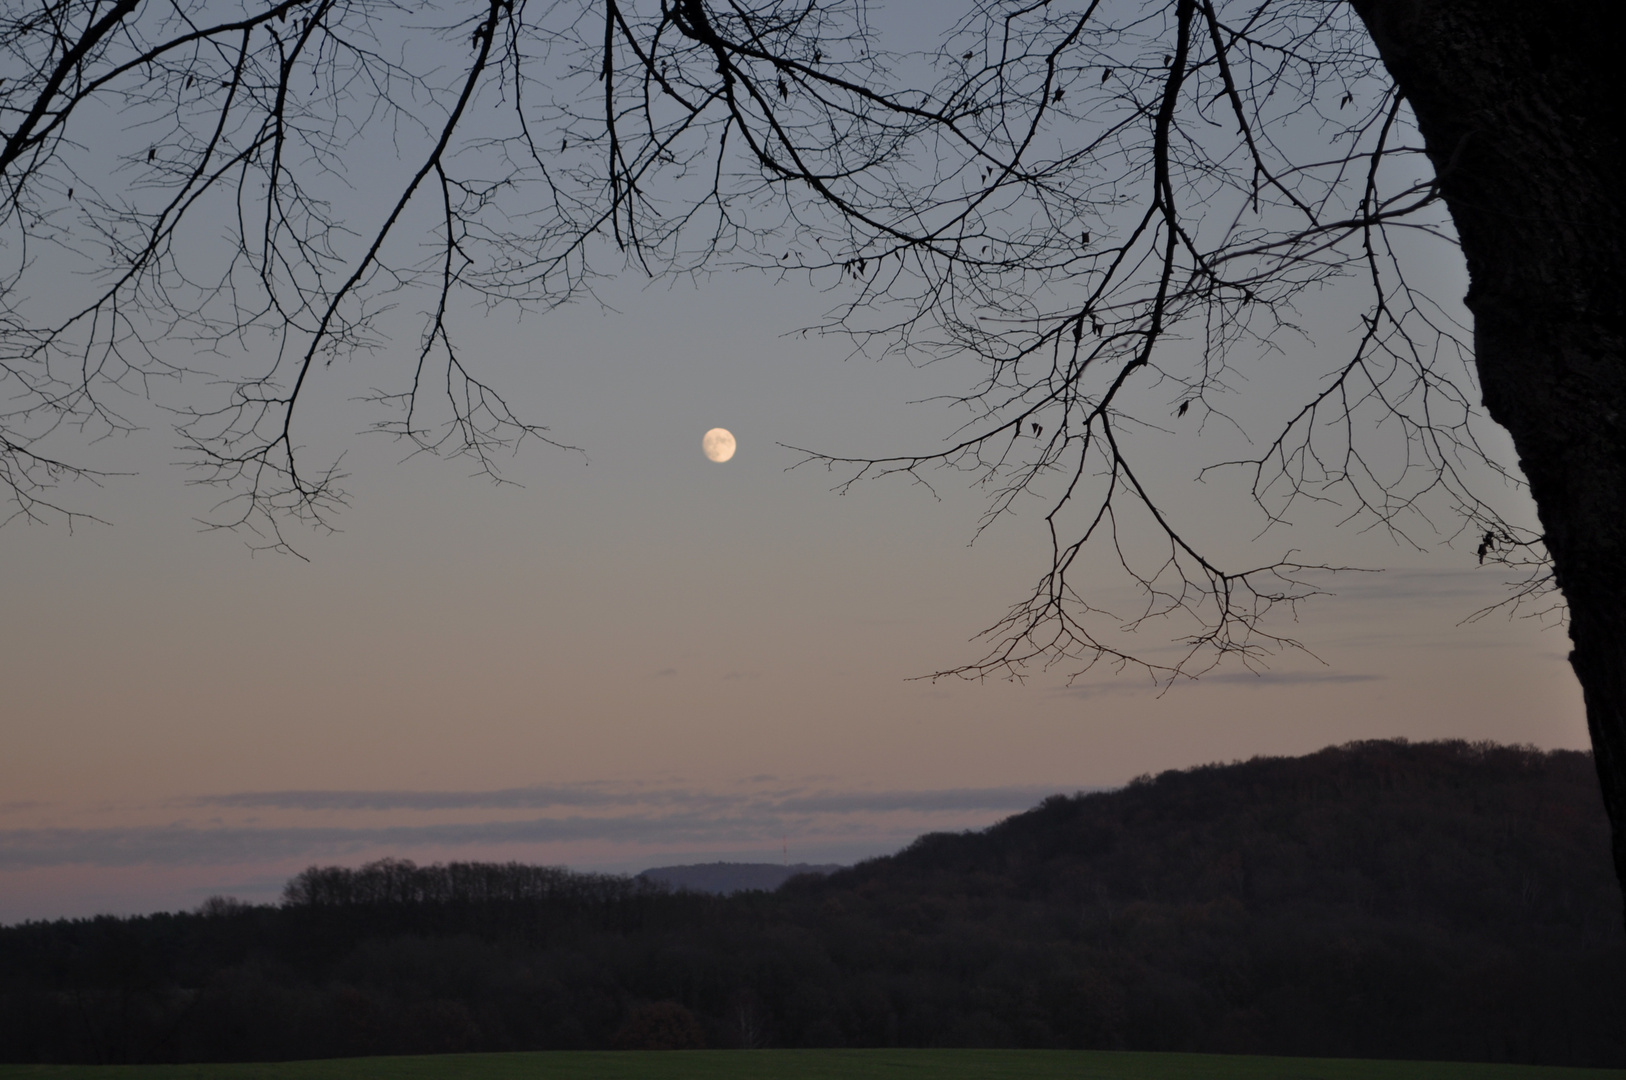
[(718, 444)]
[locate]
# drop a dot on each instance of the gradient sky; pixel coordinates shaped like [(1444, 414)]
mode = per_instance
[(634, 656)]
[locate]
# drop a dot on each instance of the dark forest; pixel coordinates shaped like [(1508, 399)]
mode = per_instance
[(1380, 899)]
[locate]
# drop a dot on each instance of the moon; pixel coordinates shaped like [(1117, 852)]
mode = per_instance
[(718, 444)]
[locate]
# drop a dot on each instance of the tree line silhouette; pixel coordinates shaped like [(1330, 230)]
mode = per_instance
[(1381, 899), (400, 881)]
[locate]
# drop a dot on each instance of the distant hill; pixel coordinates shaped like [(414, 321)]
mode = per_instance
[(726, 878), (1446, 901)]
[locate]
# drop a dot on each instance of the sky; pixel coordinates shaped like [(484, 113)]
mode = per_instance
[(635, 656), (632, 656)]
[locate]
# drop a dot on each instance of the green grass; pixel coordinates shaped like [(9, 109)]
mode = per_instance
[(819, 1065)]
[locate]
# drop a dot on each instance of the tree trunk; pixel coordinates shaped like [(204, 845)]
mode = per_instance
[(1519, 107)]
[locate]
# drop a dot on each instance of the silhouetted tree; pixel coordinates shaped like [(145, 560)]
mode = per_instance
[(1115, 204)]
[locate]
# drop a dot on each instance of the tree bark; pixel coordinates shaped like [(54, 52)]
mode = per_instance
[(1519, 105)]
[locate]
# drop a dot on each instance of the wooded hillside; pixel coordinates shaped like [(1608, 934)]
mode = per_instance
[(1384, 899)]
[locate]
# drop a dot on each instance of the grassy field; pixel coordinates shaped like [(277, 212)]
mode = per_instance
[(818, 1065)]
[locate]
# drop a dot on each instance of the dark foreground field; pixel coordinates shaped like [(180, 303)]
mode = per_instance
[(818, 1065), (1383, 900)]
